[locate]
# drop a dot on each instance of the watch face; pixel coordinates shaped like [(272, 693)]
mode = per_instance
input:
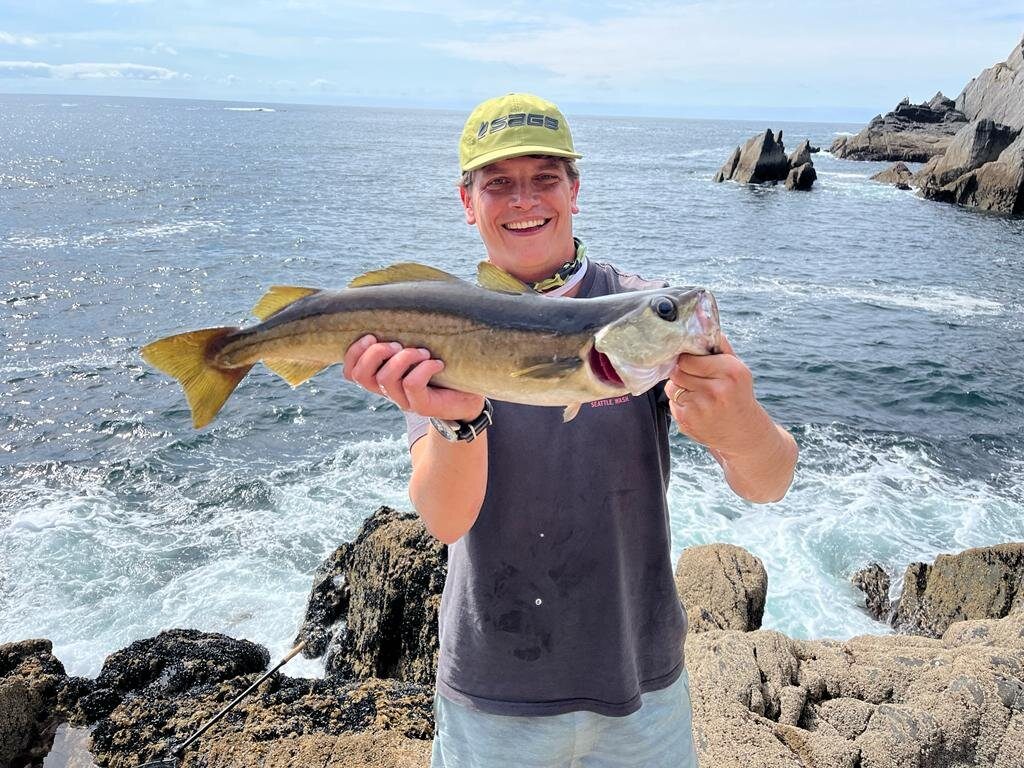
[(446, 430)]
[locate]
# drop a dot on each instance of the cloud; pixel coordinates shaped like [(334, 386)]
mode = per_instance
[(320, 84), (6, 38), (86, 71), (163, 48)]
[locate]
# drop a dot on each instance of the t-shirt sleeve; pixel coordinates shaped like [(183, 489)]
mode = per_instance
[(416, 426)]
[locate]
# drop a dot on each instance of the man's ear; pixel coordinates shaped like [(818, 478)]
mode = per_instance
[(575, 192), (467, 204)]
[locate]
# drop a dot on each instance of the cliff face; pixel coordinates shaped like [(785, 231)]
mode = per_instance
[(997, 94)]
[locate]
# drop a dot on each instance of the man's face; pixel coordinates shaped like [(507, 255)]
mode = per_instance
[(523, 208)]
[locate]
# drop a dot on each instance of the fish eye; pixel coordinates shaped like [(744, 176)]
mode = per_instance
[(665, 308)]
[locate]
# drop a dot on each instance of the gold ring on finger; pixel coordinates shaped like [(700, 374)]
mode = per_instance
[(679, 391)]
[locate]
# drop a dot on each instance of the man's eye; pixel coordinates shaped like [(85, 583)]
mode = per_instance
[(549, 177), (497, 182)]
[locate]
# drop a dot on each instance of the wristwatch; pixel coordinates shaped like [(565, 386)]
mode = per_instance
[(454, 431)]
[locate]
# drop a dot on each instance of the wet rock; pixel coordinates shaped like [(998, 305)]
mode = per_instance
[(980, 583), (873, 581), (897, 174), (802, 177), (327, 603), (761, 159), (800, 155), (911, 133), (31, 682), (977, 143), (997, 186), (722, 586), (285, 716), (173, 661), (382, 592)]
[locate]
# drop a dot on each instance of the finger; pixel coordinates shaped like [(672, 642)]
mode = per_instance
[(354, 352), (676, 394), (417, 380), (708, 366), (686, 381), (390, 375), (724, 345), (364, 372)]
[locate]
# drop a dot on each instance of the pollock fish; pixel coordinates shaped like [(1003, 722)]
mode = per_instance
[(498, 339)]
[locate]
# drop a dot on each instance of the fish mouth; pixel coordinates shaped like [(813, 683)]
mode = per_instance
[(526, 227), (603, 369)]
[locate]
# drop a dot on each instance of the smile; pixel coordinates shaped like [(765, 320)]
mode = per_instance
[(525, 226)]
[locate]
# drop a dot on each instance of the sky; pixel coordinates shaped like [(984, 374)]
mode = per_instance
[(834, 60)]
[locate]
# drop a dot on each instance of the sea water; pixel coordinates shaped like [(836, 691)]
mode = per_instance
[(884, 331)]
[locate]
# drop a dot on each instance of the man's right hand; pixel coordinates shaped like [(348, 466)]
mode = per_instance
[(403, 374)]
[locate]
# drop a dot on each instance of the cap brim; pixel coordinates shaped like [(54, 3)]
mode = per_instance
[(520, 151)]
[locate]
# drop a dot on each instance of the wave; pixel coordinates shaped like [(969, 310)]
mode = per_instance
[(249, 109)]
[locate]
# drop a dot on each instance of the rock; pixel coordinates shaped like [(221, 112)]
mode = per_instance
[(285, 722), (981, 583), (172, 662), (998, 92), (31, 682), (897, 174), (997, 186), (873, 581), (386, 586), (761, 159), (722, 586), (802, 177), (977, 143), (800, 155), (911, 133)]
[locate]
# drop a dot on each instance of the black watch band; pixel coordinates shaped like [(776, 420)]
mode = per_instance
[(455, 431)]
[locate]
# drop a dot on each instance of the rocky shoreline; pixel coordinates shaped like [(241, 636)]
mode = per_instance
[(948, 690)]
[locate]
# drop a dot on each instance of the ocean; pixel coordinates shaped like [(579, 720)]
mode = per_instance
[(886, 332)]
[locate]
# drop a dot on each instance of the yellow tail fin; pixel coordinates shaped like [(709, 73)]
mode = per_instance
[(186, 358)]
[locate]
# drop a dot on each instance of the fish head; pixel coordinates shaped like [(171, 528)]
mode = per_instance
[(642, 345)]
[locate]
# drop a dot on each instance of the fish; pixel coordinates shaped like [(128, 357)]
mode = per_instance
[(499, 339)]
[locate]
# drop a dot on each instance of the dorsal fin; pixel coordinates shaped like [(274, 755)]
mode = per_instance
[(406, 272), (495, 278), (279, 297)]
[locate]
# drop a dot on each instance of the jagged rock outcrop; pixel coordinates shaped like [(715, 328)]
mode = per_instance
[(802, 178), (381, 594), (997, 186), (32, 682), (911, 133), (722, 586), (977, 143), (979, 583), (172, 662), (897, 173), (761, 159), (873, 581), (998, 92), (800, 155)]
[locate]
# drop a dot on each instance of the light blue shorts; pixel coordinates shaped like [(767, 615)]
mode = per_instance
[(658, 735)]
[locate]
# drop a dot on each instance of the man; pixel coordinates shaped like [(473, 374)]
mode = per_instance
[(561, 630)]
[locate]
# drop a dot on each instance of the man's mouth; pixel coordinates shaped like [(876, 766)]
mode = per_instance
[(530, 225)]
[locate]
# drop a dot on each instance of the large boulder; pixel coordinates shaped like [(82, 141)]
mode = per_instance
[(722, 586), (980, 583), (802, 177), (32, 681), (998, 92), (761, 159), (873, 581), (801, 155), (911, 133), (897, 174), (172, 662), (977, 143), (763, 699), (997, 186), (377, 599)]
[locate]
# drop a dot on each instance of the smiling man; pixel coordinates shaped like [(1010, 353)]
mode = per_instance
[(561, 630)]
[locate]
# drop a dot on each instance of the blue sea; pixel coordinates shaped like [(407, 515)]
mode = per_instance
[(884, 331)]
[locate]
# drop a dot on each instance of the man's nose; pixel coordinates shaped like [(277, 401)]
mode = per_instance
[(524, 197)]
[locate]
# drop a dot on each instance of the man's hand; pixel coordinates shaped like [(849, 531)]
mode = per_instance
[(403, 374), (712, 400)]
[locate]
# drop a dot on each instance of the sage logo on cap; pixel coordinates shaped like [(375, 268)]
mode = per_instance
[(511, 126)]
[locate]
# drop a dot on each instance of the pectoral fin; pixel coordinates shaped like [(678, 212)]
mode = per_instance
[(556, 368), (293, 372), (570, 412)]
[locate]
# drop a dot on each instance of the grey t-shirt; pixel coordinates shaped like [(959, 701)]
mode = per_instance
[(561, 597)]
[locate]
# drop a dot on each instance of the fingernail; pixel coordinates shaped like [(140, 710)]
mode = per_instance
[(368, 341), (425, 353), (395, 346)]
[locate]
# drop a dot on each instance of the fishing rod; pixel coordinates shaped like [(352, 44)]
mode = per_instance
[(175, 758)]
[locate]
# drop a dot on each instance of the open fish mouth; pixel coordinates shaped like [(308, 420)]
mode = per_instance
[(601, 366)]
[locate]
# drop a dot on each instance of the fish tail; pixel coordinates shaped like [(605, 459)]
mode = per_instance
[(188, 358)]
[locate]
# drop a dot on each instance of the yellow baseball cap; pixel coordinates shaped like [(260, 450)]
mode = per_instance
[(511, 126)]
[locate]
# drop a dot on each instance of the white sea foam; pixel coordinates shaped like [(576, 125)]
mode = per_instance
[(249, 109)]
